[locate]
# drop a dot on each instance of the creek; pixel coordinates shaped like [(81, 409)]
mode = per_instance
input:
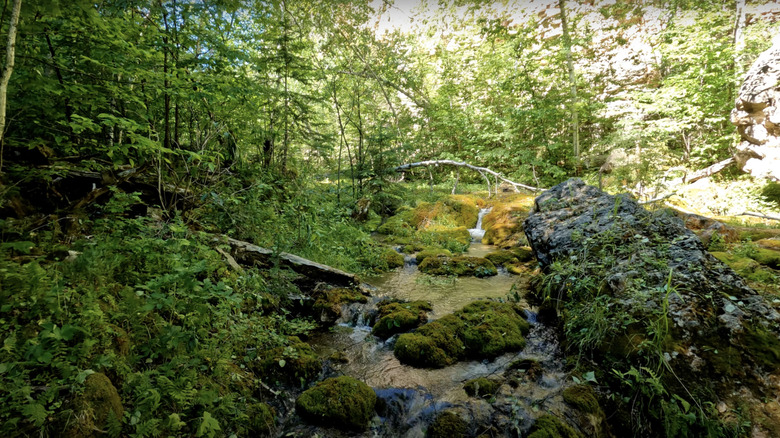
[(409, 397)]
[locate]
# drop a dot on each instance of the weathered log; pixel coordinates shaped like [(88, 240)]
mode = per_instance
[(762, 216), (247, 253), (709, 171), (481, 170)]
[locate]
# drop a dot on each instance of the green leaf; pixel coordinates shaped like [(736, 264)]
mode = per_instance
[(208, 427), (282, 363), (36, 413)]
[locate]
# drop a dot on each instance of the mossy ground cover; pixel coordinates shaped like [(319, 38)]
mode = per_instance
[(458, 266), (480, 330), (481, 387), (504, 224)]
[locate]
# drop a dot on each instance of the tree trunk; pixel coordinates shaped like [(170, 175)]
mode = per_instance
[(481, 170), (575, 123), (6, 75)]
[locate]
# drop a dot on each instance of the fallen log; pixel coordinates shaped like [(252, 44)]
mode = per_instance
[(247, 253), (481, 170)]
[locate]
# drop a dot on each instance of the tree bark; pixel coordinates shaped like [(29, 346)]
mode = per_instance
[(6, 75), (575, 122), (482, 170)]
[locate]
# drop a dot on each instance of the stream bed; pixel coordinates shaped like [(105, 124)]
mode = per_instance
[(409, 397)]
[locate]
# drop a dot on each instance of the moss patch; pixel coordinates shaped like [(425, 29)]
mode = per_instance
[(460, 266), (767, 257), (549, 426), (480, 330), (261, 418), (341, 402), (583, 398), (393, 259), (435, 252), (764, 347), (503, 225), (327, 303), (291, 363), (455, 239), (481, 387), (501, 258), (448, 424), (397, 317), (99, 401)]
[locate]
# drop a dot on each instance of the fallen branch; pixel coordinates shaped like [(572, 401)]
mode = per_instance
[(481, 170), (709, 171), (762, 216), (249, 254)]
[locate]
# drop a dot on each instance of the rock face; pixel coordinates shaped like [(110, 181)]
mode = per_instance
[(757, 117), (635, 286)]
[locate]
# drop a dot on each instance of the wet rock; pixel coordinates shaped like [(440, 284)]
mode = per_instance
[(523, 369), (393, 259), (341, 402), (550, 426), (448, 424), (328, 302), (481, 387), (460, 266), (434, 252), (635, 270), (291, 363), (398, 317), (262, 419)]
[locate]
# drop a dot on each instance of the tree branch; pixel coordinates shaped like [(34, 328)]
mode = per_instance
[(482, 170)]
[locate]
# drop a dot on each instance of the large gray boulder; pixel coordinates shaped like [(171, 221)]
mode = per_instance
[(660, 296), (757, 117)]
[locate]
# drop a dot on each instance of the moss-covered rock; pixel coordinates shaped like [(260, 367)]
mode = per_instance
[(769, 243), (432, 252), (523, 253), (549, 426), (457, 238), (93, 408), (481, 387), (502, 257), (482, 329), (767, 257), (393, 259), (523, 370), (291, 363), (492, 329), (435, 344), (262, 419), (448, 424), (460, 266), (583, 398), (503, 225), (341, 402), (397, 225), (328, 302), (397, 317)]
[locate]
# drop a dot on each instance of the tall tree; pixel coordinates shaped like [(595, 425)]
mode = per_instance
[(6, 75), (567, 44)]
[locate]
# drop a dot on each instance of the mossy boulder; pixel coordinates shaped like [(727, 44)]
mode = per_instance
[(393, 258), (454, 211), (328, 302), (549, 426), (460, 266), (769, 244), (523, 369), (341, 402), (448, 424), (93, 408), (454, 239), (432, 252), (582, 397), (523, 253), (434, 345), (503, 225), (291, 363), (262, 419), (502, 257), (480, 330), (397, 317), (481, 387), (397, 225)]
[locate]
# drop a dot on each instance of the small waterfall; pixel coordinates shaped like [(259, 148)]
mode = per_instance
[(477, 232)]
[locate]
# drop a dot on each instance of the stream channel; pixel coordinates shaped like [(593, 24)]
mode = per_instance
[(409, 398)]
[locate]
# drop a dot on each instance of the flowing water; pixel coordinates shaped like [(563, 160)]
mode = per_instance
[(410, 397)]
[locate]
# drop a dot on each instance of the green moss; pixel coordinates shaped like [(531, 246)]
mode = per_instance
[(327, 303), (523, 253), (448, 424), (261, 418), (771, 192), (763, 346), (464, 210), (482, 329), (450, 238), (341, 402), (767, 257), (433, 252), (500, 258), (481, 387), (460, 266), (397, 225), (583, 398), (549, 426), (523, 369), (99, 401), (393, 258), (492, 329), (397, 317), (290, 363)]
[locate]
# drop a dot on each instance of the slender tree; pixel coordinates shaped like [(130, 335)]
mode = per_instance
[(6, 75), (575, 123)]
